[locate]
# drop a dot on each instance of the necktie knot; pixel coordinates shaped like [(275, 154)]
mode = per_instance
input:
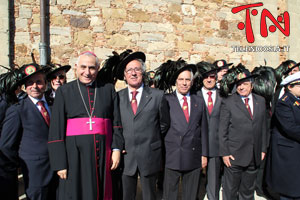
[(134, 93), (184, 99), (40, 103), (246, 100), (44, 112), (134, 101), (209, 93)]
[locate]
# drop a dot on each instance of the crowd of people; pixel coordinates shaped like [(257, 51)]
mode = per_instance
[(181, 125)]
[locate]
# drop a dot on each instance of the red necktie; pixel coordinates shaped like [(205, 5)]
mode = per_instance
[(248, 107), (134, 102), (185, 108), (210, 104), (44, 112)]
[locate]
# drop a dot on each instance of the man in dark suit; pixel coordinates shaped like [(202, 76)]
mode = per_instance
[(242, 136), (212, 99), (283, 162), (25, 135), (140, 117), (184, 123)]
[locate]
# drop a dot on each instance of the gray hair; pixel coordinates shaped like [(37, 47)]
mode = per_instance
[(142, 63), (88, 53)]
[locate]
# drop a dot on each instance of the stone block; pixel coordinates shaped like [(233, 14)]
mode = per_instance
[(184, 46), (95, 21), (174, 7), (21, 49), (60, 40), (191, 37), (187, 27), (98, 29), (188, 20), (151, 37), (114, 13), (79, 22), (25, 12), (143, 45), (22, 24), (188, 9), (157, 2), (224, 25), (72, 12), (36, 18), (83, 2), (35, 28), (195, 58), (103, 53), (83, 37), (160, 46), (22, 38), (102, 3), (93, 11), (111, 25), (118, 40), (65, 31), (184, 55), (139, 16), (131, 27), (215, 24), (201, 47), (160, 27), (215, 41), (174, 1), (54, 10), (58, 20), (64, 2), (174, 18)]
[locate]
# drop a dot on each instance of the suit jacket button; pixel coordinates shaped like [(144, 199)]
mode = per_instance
[(193, 149)]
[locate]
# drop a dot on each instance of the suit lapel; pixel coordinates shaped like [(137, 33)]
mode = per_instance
[(146, 97), (201, 95), (217, 102), (240, 104), (35, 109), (193, 109), (127, 105), (255, 107)]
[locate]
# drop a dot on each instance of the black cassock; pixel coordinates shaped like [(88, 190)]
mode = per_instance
[(85, 153)]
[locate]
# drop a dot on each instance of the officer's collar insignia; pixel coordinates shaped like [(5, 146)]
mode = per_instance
[(284, 98), (296, 103)]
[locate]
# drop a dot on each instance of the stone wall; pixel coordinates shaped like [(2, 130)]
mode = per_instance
[(164, 29)]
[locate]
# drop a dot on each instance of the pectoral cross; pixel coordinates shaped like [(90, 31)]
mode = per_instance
[(91, 124)]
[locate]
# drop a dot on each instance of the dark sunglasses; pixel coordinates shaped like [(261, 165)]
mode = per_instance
[(59, 76), (211, 76)]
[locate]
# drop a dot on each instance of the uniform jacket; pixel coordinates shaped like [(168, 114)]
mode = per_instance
[(213, 125), (283, 162), (25, 136), (239, 135), (141, 132), (185, 142)]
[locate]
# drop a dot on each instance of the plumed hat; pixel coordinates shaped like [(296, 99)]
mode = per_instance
[(55, 68)]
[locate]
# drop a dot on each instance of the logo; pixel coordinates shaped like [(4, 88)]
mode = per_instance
[(247, 25), (241, 76), (220, 63), (29, 70)]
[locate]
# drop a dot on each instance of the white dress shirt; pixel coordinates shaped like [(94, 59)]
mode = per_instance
[(35, 101), (138, 95), (180, 99), (205, 95), (250, 102)]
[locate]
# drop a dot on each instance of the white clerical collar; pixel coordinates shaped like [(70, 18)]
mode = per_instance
[(35, 100)]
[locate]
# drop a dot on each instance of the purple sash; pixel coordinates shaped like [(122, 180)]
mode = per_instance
[(81, 126)]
